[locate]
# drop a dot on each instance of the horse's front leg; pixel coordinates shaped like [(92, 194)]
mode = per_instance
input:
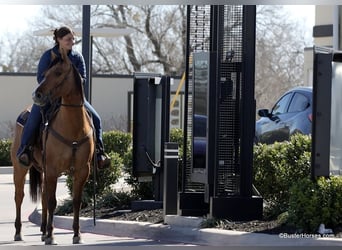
[(50, 187), (19, 174), (77, 200), (44, 214)]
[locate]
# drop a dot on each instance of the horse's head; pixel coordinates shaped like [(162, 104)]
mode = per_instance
[(59, 81)]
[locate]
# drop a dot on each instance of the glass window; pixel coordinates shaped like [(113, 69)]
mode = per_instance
[(281, 106), (299, 103)]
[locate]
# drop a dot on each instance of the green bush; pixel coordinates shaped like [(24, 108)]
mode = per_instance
[(314, 202), (116, 144), (5, 152), (145, 190), (110, 199), (141, 190), (103, 179), (117, 199), (277, 167), (176, 135), (117, 141)]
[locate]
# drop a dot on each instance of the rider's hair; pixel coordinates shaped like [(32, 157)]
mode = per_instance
[(61, 32)]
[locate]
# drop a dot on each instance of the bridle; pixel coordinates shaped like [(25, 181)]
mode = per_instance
[(65, 77), (59, 84)]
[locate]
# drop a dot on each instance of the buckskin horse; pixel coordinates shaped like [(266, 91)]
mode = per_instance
[(66, 147)]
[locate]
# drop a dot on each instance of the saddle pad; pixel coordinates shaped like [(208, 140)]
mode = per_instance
[(22, 118)]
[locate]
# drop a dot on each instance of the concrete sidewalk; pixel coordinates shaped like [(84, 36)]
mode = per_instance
[(184, 229), (177, 229)]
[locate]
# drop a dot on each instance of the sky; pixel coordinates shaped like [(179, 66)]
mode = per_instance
[(14, 19)]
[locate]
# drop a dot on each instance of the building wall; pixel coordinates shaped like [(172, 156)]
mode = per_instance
[(322, 32), (109, 97)]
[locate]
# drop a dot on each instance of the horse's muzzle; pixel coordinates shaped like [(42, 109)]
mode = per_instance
[(39, 99)]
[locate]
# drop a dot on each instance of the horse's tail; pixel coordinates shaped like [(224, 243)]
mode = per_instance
[(35, 184)]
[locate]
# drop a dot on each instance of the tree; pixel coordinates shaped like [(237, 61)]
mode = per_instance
[(158, 42), (16, 54), (280, 47)]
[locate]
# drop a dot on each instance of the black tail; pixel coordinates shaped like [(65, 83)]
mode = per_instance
[(35, 184)]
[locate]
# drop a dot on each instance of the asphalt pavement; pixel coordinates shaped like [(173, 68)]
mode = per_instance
[(179, 230), (63, 232)]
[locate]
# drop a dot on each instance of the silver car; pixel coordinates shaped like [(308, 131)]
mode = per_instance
[(292, 113)]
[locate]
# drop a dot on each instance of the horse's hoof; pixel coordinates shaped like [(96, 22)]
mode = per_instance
[(18, 237), (43, 237), (77, 240), (50, 241)]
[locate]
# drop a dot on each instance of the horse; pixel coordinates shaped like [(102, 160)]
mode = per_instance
[(66, 146)]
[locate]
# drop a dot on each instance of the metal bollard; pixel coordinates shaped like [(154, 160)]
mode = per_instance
[(170, 178)]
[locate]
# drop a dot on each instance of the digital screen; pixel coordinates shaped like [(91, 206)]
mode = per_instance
[(201, 61), (336, 120)]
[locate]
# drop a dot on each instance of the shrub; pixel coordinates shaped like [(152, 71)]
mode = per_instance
[(116, 144), (277, 167), (314, 202), (117, 141), (5, 152), (117, 199), (145, 190), (110, 199), (103, 179)]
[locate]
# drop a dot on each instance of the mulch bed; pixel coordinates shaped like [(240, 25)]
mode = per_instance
[(156, 217)]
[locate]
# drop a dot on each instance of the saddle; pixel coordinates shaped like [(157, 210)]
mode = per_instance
[(37, 138)]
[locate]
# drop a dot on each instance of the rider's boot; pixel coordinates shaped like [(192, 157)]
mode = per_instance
[(103, 160), (25, 155)]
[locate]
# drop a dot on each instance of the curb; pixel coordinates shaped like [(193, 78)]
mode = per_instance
[(6, 169), (185, 234)]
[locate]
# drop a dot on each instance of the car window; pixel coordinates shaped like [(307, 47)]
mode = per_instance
[(299, 103), (281, 106)]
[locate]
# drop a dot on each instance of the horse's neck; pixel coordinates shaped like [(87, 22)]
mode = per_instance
[(73, 116), (72, 100)]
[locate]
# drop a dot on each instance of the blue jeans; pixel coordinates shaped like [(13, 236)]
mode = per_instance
[(35, 119)]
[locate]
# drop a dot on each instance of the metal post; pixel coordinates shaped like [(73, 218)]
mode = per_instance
[(247, 100), (170, 178), (86, 49)]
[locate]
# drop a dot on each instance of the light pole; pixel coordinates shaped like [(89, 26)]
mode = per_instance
[(87, 50)]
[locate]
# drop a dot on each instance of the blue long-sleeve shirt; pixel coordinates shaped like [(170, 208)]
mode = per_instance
[(75, 57)]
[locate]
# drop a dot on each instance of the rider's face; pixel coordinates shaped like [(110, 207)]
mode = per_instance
[(67, 41)]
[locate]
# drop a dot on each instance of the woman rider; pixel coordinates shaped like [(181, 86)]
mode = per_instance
[(64, 38)]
